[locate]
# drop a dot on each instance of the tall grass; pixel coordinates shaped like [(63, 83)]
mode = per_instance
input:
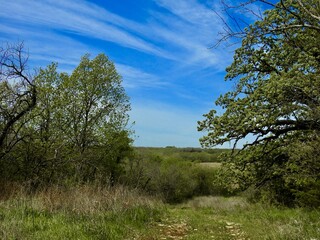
[(83, 212)]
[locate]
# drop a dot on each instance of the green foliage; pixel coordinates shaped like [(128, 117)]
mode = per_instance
[(173, 180), (94, 100), (210, 182), (277, 80), (275, 104), (77, 131), (183, 154), (285, 173)]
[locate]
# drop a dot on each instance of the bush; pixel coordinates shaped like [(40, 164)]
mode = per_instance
[(288, 175), (210, 182), (171, 179)]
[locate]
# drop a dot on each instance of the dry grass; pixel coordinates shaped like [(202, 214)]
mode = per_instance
[(84, 199), (9, 190), (90, 200), (81, 212)]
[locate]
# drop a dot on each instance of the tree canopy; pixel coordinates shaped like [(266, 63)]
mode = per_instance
[(276, 98), (62, 126)]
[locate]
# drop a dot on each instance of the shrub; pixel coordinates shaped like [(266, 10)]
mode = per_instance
[(172, 179)]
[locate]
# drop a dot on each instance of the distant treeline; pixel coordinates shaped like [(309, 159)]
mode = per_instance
[(188, 153)]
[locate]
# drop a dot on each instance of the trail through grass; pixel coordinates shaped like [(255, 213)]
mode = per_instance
[(232, 218), (91, 213)]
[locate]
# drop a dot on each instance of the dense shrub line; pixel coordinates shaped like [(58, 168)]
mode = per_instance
[(173, 180)]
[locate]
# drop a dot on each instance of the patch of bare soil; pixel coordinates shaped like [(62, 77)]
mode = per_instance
[(174, 230), (234, 230)]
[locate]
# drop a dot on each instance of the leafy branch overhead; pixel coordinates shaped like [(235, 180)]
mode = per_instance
[(276, 71)]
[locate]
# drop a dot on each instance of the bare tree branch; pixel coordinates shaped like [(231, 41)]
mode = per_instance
[(18, 94)]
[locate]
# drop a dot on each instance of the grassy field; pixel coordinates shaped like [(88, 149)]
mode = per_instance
[(98, 212), (89, 212), (233, 218)]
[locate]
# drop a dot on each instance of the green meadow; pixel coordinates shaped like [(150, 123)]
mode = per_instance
[(182, 210)]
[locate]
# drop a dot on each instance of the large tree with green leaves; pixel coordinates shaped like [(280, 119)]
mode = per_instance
[(275, 104), (95, 111), (95, 100), (78, 129)]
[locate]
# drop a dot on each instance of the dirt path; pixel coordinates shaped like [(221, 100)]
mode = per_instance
[(189, 224), (179, 231), (234, 230), (174, 230)]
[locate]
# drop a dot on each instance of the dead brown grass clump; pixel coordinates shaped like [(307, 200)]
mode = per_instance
[(83, 199)]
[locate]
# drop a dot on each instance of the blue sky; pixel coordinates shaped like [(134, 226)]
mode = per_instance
[(160, 47)]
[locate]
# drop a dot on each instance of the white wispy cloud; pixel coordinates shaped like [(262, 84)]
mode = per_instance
[(195, 28), (188, 32), (137, 78), (75, 18), (67, 52), (191, 11), (46, 46)]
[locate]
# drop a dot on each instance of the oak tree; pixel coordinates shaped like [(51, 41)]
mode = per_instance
[(276, 100)]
